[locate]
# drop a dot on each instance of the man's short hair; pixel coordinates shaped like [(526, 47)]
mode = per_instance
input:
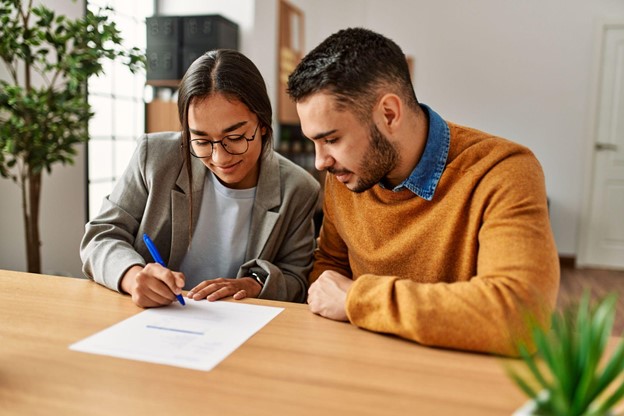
[(357, 66)]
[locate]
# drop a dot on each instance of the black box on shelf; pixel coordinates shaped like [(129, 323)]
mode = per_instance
[(210, 32), (163, 63), (163, 30), (174, 42)]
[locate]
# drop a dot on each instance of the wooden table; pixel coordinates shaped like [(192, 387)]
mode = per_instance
[(299, 364)]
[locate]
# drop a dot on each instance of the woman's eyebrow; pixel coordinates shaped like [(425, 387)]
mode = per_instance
[(234, 127), (229, 129)]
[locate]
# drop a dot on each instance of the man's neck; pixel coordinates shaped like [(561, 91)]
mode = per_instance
[(410, 143)]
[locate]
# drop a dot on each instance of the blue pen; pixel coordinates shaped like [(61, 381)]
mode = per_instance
[(156, 255)]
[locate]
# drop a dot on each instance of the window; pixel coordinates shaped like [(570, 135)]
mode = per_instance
[(116, 98)]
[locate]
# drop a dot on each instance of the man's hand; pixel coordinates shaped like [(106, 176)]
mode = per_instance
[(152, 285), (327, 296), (245, 287)]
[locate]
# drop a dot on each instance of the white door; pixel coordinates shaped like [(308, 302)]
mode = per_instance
[(602, 242)]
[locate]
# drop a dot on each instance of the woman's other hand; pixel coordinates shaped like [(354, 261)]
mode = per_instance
[(245, 287)]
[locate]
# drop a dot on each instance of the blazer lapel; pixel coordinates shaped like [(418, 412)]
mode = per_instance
[(263, 219), (180, 232)]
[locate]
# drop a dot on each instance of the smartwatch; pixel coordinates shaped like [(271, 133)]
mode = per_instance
[(259, 278)]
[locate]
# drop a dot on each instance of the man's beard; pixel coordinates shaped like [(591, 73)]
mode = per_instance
[(379, 160)]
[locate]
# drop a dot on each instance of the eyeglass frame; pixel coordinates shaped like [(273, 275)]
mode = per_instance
[(215, 142)]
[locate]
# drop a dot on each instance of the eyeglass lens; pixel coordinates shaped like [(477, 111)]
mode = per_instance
[(234, 145)]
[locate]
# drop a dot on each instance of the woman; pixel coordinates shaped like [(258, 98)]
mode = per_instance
[(229, 216)]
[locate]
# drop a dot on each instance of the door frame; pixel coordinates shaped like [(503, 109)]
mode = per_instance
[(601, 27)]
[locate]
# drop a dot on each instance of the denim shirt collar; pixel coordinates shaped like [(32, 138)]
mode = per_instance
[(425, 177)]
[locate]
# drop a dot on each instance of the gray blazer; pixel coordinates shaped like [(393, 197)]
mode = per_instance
[(152, 196)]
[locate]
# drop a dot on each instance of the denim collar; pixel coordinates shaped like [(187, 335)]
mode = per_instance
[(425, 177)]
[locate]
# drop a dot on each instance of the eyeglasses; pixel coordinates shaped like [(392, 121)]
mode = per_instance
[(235, 144)]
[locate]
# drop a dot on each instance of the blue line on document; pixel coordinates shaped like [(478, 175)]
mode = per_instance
[(174, 329)]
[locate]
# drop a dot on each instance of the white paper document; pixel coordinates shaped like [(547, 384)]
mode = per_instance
[(197, 336)]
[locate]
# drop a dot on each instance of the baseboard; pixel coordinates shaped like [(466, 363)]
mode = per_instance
[(568, 262)]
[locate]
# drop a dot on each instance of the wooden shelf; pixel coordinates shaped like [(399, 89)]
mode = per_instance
[(162, 115)]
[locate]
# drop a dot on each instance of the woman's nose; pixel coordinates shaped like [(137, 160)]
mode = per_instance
[(218, 152)]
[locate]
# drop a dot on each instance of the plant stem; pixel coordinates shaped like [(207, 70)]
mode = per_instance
[(31, 197)]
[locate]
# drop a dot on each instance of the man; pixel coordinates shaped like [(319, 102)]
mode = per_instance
[(432, 231)]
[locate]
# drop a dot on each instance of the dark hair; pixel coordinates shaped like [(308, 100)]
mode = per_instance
[(356, 65), (227, 72)]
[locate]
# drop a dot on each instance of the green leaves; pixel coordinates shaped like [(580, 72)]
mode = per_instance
[(40, 125), (570, 362)]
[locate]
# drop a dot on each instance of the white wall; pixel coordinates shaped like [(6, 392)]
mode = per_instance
[(62, 204)]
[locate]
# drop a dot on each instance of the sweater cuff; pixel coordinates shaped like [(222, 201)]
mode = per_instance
[(367, 303)]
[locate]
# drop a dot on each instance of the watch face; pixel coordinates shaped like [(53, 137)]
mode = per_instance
[(259, 278)]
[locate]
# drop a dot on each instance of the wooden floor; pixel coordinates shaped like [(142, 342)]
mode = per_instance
[(599, 282)]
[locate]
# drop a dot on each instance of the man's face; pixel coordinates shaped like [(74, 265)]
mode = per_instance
[(357, 153)]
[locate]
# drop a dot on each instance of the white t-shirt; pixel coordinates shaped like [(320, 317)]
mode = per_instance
[(220, 239)]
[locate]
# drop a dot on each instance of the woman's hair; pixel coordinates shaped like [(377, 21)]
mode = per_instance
[(232, 74), (357, 66)]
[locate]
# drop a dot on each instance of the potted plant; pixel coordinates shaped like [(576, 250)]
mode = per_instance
[(570, 373), (43, 107)]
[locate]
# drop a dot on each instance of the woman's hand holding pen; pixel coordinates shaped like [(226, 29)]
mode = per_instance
[(152, 285), (245, 287)]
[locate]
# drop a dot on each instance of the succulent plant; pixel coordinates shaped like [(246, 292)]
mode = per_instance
[(571, 373)]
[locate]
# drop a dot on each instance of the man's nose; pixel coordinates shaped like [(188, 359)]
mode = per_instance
[(322, 159)]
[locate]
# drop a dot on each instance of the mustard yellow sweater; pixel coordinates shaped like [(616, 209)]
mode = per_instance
[(462, 271)]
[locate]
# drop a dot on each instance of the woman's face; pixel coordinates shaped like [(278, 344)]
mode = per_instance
[(215, 118)]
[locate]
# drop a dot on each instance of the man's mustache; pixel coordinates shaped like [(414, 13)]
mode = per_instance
[(338, 171)]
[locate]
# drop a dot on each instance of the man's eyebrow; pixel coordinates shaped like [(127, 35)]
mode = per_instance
[(225, 130), (324, 134)]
